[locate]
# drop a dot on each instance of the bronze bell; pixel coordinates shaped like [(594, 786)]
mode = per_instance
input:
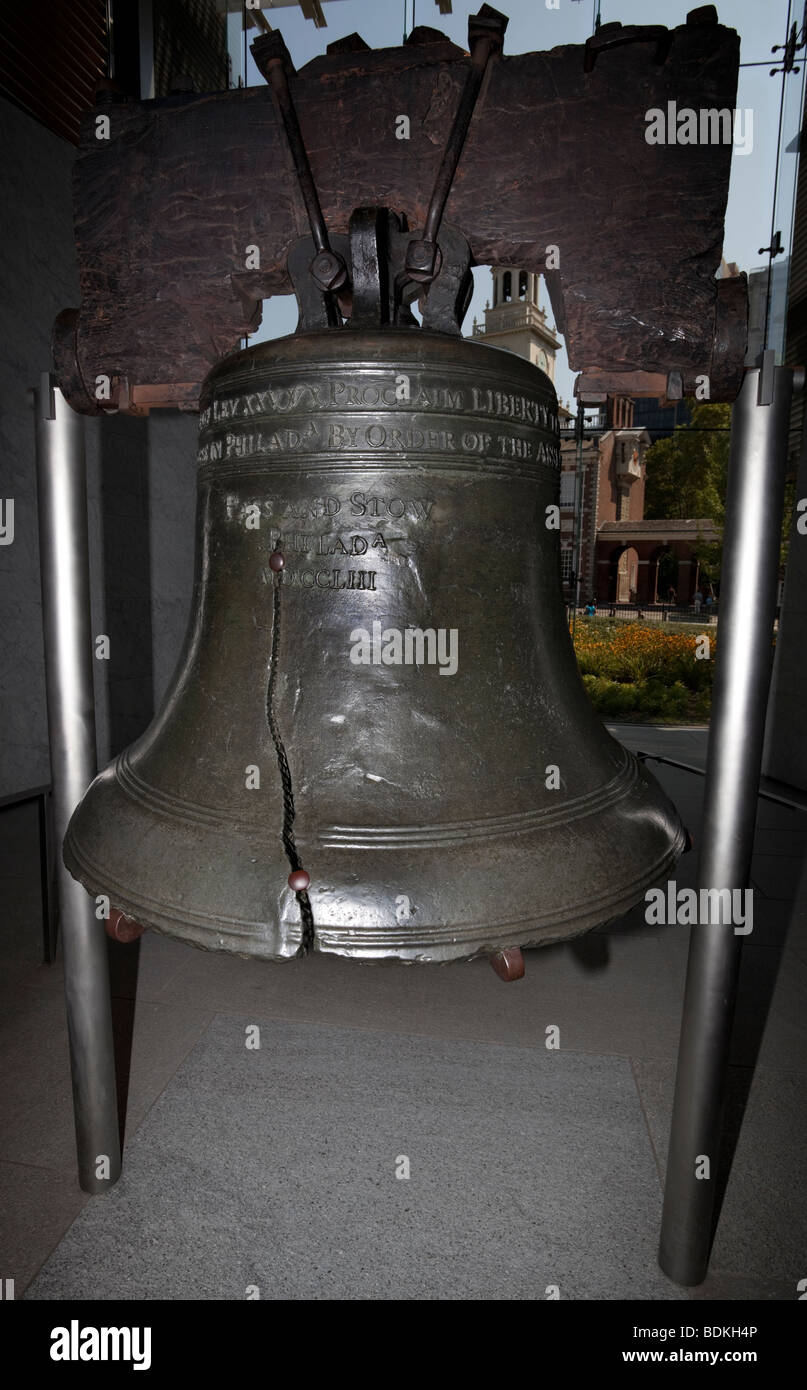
[(378, 685)]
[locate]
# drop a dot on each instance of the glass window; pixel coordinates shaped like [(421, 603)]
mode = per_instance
[(567, 487)]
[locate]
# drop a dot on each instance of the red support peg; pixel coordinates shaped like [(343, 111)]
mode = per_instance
[(299, 880), (122, 928), (509, 963)]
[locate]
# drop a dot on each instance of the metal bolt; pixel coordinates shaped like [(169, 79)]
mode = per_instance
[(328, 270), (421, 260)]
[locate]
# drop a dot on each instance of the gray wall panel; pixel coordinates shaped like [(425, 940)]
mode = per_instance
[(37, 279), (140, 483)]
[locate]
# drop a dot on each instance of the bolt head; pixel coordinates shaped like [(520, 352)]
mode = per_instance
[(328, 270), (420, 255), (421, 260)]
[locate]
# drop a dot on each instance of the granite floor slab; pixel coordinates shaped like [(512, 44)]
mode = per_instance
[(276, 1167), (36, 1110), (37, 1207), (762, 1232)]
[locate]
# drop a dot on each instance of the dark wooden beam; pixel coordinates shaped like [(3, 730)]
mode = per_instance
[(556, 156)]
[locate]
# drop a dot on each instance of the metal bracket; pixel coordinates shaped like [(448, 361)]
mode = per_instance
[(380, 292), (486, 32), (372, 231), (789, 49), (448, 297), (327, 268), (616, 35), (314, 308), (775, 249)]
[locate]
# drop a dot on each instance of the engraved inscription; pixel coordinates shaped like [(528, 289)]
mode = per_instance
[(331, 395), (359, 394), (364, 504), (357, 580), (516, 427), (364, 440), (377, 436), (508, 405), (358, 504), (330, 543), (369, 510)]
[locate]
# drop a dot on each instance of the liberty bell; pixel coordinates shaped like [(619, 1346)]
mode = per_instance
[(376, 743)]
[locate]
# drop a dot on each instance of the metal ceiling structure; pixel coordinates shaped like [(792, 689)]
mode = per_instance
[(312, 9)]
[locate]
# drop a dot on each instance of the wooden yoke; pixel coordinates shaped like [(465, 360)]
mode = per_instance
[(186, 213)]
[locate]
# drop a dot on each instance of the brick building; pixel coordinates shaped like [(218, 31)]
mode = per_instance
[(618, 555), (609, 552)]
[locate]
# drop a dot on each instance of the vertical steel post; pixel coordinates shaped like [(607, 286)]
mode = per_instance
[(748, 587), (64, 565), (579, 494)]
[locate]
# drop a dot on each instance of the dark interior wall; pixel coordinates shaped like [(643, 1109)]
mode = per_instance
[(142, 489), (37, 279), (172, 515), (140, 482), (51, 55), (118, 486)]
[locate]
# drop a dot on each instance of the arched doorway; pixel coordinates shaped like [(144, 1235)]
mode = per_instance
[(624, 568)]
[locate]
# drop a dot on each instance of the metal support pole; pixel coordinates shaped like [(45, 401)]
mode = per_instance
[(64, 564), (577, 515), (579, 499), (747, 608)]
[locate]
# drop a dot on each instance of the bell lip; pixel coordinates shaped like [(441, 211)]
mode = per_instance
[(328, 943), (277, 937)]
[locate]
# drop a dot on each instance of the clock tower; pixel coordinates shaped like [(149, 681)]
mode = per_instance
[(515, 321)]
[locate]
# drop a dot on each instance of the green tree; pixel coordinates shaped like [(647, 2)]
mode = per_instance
[(686, 476)]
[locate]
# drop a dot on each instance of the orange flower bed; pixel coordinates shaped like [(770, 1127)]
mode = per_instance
[(633, 651)]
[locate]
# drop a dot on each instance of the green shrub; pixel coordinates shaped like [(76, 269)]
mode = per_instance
[(646, 699), (644, 671)]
